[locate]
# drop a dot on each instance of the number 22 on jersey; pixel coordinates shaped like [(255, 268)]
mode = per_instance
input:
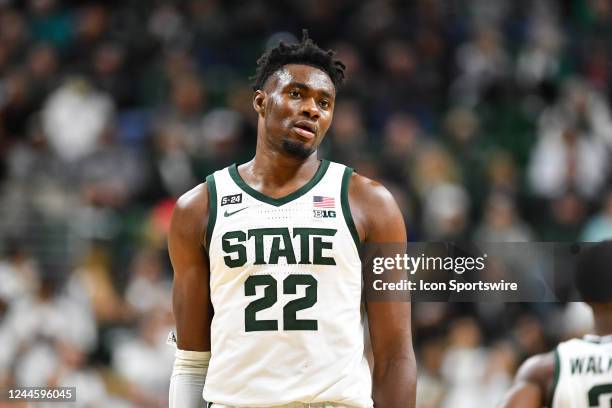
[(290, 284)]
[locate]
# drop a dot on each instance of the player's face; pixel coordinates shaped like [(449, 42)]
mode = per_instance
[(298, 109)]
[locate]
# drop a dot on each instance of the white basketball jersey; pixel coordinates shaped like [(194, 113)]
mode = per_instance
[(286, 287), (583, 373)]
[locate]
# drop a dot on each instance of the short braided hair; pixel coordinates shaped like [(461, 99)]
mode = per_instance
[(593, 279), (306, 53)]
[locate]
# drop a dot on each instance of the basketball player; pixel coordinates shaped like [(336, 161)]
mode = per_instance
[(578, 374), (267, 275)]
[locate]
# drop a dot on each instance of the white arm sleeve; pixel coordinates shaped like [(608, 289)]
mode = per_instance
[(187, 381)]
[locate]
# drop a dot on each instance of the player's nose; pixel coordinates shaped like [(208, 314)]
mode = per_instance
[(310, 108)]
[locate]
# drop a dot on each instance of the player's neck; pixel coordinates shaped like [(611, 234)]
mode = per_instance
[(602, 318), (603, 326), (274, 168)]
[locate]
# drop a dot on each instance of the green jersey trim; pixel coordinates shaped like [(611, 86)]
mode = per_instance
[(556, 375), (346, 208), (233, 171), (212, 205)]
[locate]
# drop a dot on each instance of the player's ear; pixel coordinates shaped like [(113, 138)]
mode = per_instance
[(259, 101)]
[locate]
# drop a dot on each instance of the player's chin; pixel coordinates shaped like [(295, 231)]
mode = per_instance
[(298, 148)]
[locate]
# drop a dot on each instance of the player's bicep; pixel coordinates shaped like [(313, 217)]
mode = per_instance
[(524, 395), (390, 332), (191, 304), (385, 236), (191, 297), (531, 383)]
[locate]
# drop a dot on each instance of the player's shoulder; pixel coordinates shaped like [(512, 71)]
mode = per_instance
[(375, 211), (369, 192), (193, 200), (580, 345), (538, 369), (191, 212)]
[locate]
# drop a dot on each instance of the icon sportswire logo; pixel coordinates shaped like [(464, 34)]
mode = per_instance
[(230, 213)]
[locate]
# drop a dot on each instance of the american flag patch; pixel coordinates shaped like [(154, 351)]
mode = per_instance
[(323, 202)]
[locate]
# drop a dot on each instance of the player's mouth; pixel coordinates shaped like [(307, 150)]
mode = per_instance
[(305, 129)]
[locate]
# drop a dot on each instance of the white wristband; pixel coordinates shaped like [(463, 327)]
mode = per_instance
[(188, 377)]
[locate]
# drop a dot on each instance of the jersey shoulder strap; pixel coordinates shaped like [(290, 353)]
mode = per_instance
[(212, 207)]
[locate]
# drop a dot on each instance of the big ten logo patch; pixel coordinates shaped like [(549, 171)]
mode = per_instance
[(324, 213), (231, 199)]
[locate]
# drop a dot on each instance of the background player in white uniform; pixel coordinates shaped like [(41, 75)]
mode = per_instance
[(267, 277), (578, 373)]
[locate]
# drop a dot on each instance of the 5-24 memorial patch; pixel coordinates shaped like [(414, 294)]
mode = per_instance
[(231, 199)]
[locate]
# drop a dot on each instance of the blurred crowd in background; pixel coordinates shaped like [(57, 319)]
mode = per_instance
[(488, 119)]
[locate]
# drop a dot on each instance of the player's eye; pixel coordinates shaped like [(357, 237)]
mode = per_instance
[(324, 103), (294, 93)]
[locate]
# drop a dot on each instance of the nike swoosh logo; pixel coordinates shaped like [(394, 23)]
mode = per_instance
[(229, 214)]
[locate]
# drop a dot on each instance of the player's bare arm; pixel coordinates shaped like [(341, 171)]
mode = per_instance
[(379, 220), (532, 385), (191, 300)]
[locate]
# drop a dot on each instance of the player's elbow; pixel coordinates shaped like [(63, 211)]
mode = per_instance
[(395, 381), (399, 362)]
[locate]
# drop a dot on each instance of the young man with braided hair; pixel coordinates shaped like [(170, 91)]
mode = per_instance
[(267, 274), (578, 373)]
